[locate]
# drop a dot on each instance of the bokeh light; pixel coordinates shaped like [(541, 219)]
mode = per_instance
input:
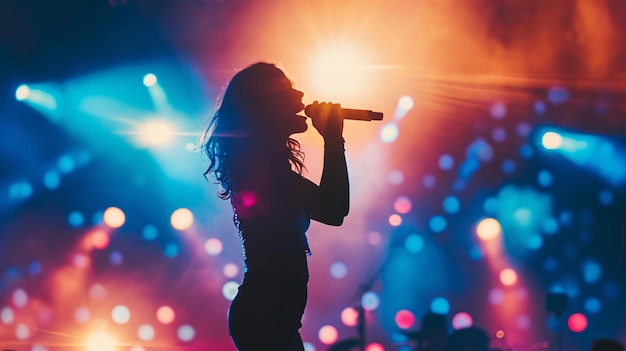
[(508, 277), (181, 219), (120, 314), (101, 341), (577, 322), (405, 319), (462, 320), (165, 314), (349, 316), (328, 334), (114, 217), (488, 228)]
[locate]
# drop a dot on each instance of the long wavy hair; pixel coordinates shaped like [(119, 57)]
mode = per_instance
[(240, 130)]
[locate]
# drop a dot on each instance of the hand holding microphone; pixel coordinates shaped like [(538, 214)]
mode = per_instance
[(327, 119), (315, 109)]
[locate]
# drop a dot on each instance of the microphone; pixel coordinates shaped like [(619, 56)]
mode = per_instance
[(347, 113)]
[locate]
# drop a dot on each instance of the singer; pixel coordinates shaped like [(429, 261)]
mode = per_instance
[(259, 168)]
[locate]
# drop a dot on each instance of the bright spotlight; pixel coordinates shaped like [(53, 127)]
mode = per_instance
[(156, 133), (551, 140), (339, 71), (22, 92), (101, 342), (488, 228), (149, 80)]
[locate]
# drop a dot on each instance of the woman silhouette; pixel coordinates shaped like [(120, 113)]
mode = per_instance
[(259, 167)]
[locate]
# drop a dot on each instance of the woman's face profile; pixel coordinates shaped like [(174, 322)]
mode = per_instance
[(284, 103)]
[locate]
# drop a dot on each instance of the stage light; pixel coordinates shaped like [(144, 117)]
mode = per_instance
[(165, 314), (389, 133), (328, 334), (99, 239), (231, 270), (440, 305), (149, 232), (508, 277), (349, 316), (229, 290), (149, 80), (6, 315), (22, 92), (171, 250), (451, 204), (213, 246), (591, 271), (339, 72), (370, 301), (181, 219), (186, 333), (155, 133), (577, 322), (114, 217), (414, 243), (338, 270), (551, 140), (462, 320), (101, 341), (22, 331), (403, 204), (446, 162), (395, 220), (496, 296), (145, 332), (120, 314), (405, 104), (488, 228), (405, 319), (20, 298), (437, 224), (374, 347)]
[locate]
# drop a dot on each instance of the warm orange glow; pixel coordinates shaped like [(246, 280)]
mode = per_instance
[(488, 228), (181, 219), (101, 341), (500, 334), (165, 314), (349, 316), (339, 71), (99, 239), (395, 220), (508, 277), (114, 217)]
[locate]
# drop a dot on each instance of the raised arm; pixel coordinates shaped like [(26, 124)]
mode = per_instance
[(332, 198)]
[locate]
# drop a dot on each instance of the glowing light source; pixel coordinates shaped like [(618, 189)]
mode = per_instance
[(229, 290), (20, 298), (370, 301), (349, 316), (462, 320), (120, 314), (155, 133), (181, 219), (22, 92), (508, 277), (406, 102), (414, 243), (440, 305), (374, 347), (395, 220), (328, 334), (213, 246), (389, 133), (403, 204), (551, 140), (577, 322), (165, 314), (145, 332), (405, 319), (338, 270), (186, 332), (149, 80), (114, 217), (339, 71), (99, 239), (100, 341), (231, 270), (488, 228)]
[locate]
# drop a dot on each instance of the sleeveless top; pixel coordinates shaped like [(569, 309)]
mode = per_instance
[(271, 219)]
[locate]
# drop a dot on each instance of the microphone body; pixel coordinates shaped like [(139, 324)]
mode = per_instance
[(348, 113)]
